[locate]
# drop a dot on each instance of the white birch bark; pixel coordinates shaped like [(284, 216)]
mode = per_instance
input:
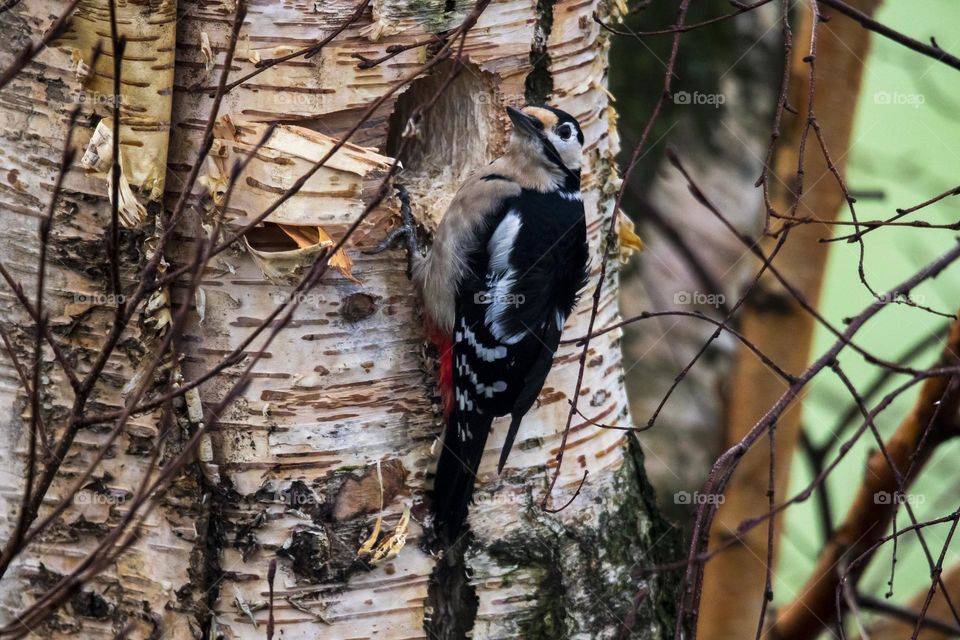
[(141, 590), (291, 471)]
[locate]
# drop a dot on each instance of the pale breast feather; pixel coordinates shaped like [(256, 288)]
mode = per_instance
[(464, 224)]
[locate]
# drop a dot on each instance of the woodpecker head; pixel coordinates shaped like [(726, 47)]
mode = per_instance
[(551, 135)]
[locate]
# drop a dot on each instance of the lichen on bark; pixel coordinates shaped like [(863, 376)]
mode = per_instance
[(584, 572)]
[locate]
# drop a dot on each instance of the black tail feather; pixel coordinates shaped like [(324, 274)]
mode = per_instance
[(508, 443), (532, 384), (457, 472)]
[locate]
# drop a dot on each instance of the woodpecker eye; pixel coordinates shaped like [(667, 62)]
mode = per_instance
[(565, 132)]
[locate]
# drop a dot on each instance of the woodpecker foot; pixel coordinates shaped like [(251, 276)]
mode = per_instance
[(406, 231)]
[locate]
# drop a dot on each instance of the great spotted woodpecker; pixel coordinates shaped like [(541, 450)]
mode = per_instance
[(503, 274)]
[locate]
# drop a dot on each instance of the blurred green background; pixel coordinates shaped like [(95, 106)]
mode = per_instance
[(906, 146), (905, 150)]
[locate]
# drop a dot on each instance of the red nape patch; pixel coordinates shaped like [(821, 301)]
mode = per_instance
[(443, 341)]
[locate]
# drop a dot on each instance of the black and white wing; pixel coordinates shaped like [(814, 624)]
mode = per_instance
[(522, 283), (512, 312)]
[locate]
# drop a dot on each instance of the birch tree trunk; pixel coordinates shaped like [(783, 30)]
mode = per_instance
[(332, 442), (152, 587)]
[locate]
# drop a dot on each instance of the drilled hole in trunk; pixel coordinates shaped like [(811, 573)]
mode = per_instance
[(272, 237), (463, 131)]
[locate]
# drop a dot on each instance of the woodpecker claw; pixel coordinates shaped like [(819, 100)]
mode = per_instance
[(389, 242), (406, 231), (409, 223)]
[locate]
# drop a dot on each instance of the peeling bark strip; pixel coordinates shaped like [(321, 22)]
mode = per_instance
[(321, 467), (298, 231), (146, 89)]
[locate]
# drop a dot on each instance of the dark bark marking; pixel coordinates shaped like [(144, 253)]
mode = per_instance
[(539, 82)]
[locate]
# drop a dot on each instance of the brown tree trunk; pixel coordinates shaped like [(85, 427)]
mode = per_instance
[(902, 459), (893, 628), (775, 322)]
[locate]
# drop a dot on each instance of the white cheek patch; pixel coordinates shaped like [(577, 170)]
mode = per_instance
[(569, 150)]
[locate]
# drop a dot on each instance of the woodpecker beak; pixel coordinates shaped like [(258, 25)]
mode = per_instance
[(524, 123)]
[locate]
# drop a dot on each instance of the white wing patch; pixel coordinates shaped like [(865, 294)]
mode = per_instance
[(502, 242), (502, 301), (500, 333), (501, 277)]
